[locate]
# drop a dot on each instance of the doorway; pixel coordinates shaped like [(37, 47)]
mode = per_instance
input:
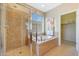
[(68, 29)]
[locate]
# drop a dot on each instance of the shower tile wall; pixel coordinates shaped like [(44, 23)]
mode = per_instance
[(16, 32), (15, 28)]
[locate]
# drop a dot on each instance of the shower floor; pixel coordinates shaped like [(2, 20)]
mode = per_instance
[(22, 51)]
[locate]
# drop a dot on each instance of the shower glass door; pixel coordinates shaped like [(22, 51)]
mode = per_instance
[(37, 30), (29, 34), (17, 32)]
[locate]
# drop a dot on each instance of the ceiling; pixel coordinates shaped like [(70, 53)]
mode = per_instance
[(44, 6)]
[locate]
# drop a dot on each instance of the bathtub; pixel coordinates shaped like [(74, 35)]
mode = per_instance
[(44, 44), (43, 38)]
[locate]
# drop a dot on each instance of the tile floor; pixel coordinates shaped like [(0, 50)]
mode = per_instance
[(66, 49)]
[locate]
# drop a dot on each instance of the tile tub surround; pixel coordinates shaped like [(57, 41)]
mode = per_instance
[(43, 38), (42, 47)]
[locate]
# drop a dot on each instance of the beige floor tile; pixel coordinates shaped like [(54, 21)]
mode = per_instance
[(66, 49), (23, 51)]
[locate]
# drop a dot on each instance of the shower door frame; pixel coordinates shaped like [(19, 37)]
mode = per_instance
[(3, 27)]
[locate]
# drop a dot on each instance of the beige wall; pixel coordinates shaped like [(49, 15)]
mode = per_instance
[(56, 14), (0, 28), (25, 8), (60, 10), (15, 28), (32, 9), (63, 8)]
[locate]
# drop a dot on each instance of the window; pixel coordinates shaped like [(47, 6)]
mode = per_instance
[(37, 20), (36, 17), (50, 26)]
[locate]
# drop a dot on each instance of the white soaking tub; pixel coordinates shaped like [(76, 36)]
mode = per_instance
[(43, 44)]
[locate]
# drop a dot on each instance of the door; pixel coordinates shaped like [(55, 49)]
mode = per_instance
[(62, 32), (77, 31), (69, 32)]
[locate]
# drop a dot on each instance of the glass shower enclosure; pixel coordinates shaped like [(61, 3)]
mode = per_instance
[(37, 29)]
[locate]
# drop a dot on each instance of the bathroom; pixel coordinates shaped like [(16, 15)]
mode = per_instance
[(24, 28)]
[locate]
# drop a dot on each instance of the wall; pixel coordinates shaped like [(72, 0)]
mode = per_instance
[(32, 9), (26, 8), (77, 31), (0, 29), (60, 10), (15, 28)]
